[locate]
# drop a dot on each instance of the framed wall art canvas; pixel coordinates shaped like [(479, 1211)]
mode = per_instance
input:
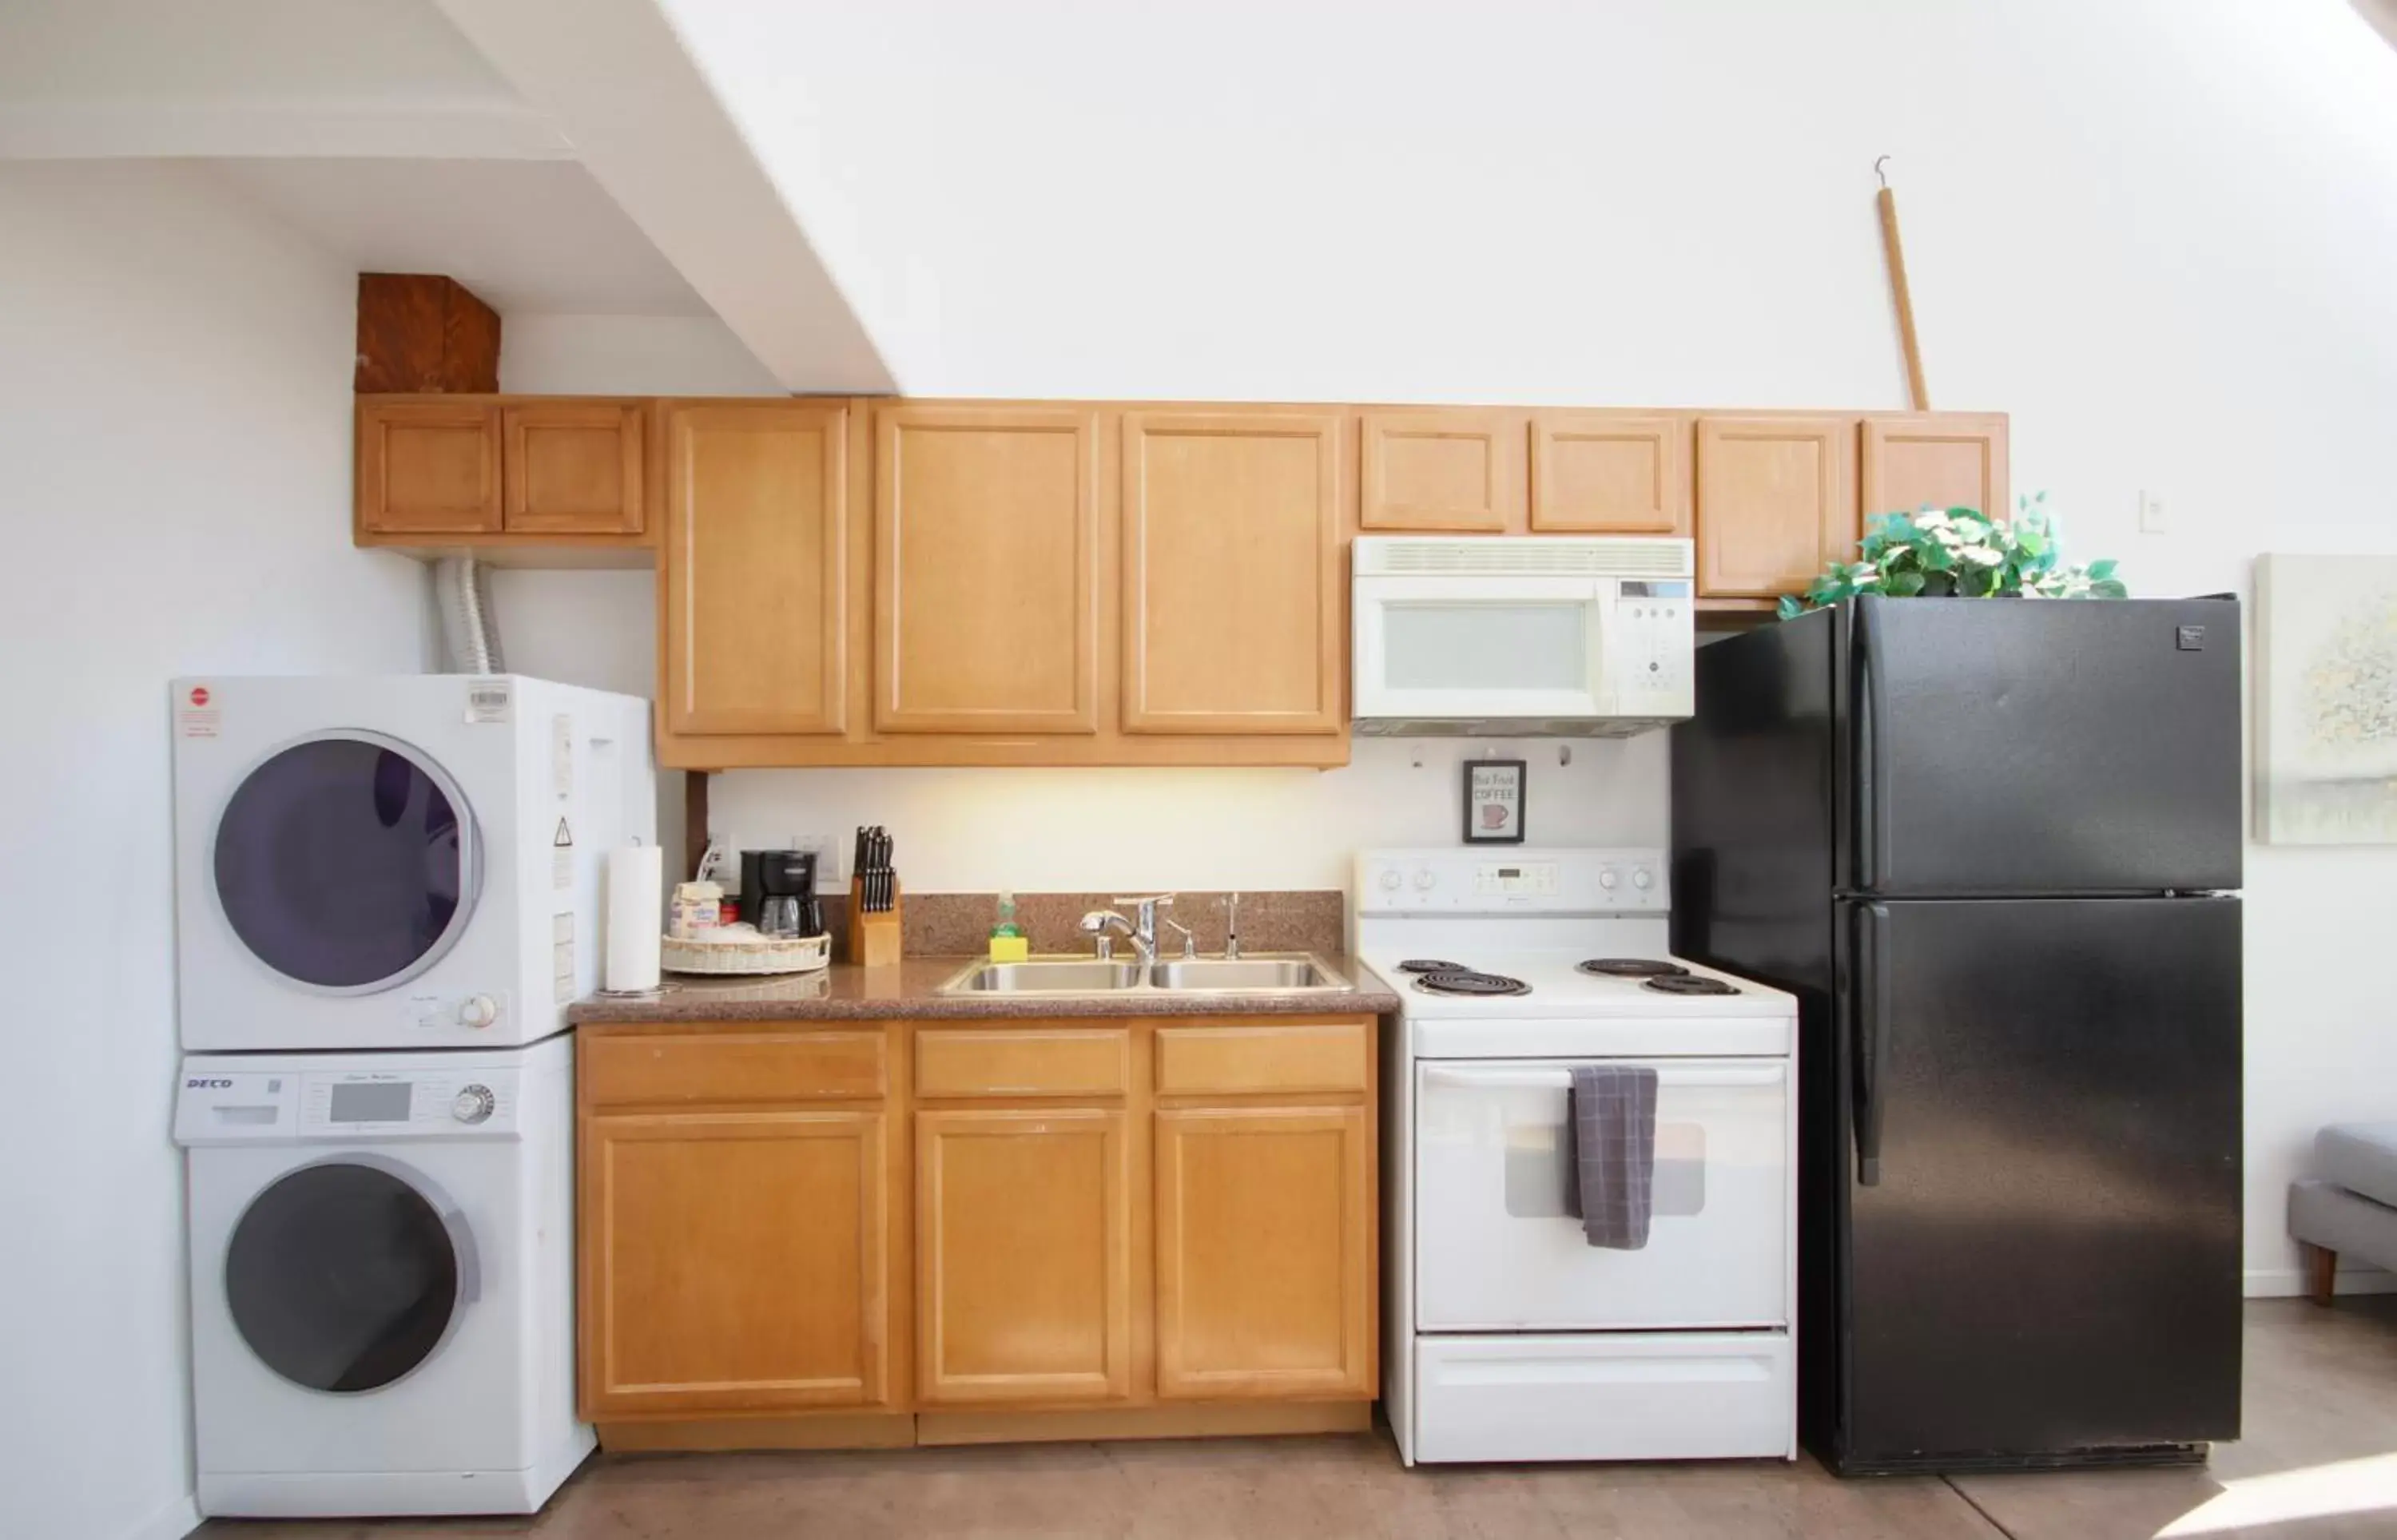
[(2326, 699)]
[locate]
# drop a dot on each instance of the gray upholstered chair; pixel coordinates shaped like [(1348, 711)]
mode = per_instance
[(2349, 1207)]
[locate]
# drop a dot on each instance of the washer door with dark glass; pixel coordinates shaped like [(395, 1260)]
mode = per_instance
[(345, 862), (343, 1276)]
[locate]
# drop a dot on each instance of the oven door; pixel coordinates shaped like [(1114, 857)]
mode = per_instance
[(1479, 647), (1496, 1249)]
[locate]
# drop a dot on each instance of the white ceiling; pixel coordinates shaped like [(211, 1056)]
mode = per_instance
[(529, 236)]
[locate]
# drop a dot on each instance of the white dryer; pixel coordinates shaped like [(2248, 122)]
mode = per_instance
[(383, 1279), (396, 861)]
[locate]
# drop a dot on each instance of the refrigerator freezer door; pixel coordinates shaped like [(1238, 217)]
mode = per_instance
[(2049, 1261), (2001, 746)]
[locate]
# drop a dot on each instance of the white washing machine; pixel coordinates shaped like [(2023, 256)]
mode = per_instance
[(383, 1260), (396, 861)]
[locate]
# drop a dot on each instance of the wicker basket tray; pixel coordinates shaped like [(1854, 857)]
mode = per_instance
[(740, 950)]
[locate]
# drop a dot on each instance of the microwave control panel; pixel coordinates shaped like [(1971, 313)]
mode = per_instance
[(1655, 635)]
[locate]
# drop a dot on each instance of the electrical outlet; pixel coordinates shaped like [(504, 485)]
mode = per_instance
[(2153, 519), (827, 851)]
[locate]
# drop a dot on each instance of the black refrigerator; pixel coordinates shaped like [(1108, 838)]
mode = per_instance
[(1993, 846)]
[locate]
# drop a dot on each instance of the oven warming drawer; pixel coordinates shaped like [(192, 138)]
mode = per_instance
[(1644, 1396)]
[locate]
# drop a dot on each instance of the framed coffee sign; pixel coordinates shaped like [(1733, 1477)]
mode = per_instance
[(1493, 802)]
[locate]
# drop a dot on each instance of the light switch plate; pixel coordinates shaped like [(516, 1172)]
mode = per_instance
[(2153, 519)]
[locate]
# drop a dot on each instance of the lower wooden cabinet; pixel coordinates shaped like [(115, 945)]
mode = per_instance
[(1265, 1272), (1067, 1220), (734, 1261), (1022, 1256)]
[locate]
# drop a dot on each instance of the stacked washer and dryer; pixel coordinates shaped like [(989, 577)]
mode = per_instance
[(387, 894)]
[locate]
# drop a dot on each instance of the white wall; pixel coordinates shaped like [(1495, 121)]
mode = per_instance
[(174, 418), (2159, 232)]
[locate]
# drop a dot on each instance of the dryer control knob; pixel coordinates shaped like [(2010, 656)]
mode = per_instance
[(1606, 879), (477, 1010), (1424, 879), (1391, 880), (474, 1104)]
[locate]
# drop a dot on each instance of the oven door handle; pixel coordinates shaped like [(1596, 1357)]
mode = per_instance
[(1562, 1080)]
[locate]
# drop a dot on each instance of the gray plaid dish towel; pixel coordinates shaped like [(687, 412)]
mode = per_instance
[(1613, 1116)]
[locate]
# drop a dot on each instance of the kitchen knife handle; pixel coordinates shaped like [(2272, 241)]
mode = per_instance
[(1871, 985)]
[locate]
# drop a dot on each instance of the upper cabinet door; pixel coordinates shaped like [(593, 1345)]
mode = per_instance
[(1232, 619), (1940, 460), (1610, 473), (1777, 501), (573, 467), (754, 568), (986, 550), (428, 467), (1438, 469)]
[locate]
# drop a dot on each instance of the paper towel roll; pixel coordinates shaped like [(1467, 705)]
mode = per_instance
[(637, 887)]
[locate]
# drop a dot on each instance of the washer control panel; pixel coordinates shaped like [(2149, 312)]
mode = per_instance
[(1463, 881), (221, 1103)]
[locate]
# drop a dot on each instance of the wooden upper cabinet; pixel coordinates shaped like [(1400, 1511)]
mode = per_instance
[(428, 467), (1438, 469), (1266, 1276), (985, 549), (733, 1261), (574, 467), (1233, 619), (1776, 500), (1942, 459), (1610, 473), (1022, 1256), (754, 568)]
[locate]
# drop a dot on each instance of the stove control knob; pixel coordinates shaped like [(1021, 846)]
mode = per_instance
[(477, 1010), (1606, 879), (1391, 880), (474, 1104), (1643, 879), (1424, 879)]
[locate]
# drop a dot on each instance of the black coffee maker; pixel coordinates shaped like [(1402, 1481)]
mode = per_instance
[(778, 892)]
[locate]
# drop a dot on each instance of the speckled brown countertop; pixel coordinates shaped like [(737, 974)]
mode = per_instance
[(911, 989)]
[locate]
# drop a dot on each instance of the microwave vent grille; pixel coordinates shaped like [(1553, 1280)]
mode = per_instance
[(1527, 555)]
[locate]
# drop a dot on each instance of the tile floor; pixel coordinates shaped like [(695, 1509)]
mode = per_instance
[(2321, 1392)]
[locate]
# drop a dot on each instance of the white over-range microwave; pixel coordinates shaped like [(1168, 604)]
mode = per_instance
[(1521, 636)]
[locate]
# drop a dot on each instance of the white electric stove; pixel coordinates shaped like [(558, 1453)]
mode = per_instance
[(1508, 1336)]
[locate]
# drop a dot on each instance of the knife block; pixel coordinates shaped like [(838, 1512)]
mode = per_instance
[(872, 939)]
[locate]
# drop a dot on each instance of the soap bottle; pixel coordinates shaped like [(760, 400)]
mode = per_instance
[(1006, 939)]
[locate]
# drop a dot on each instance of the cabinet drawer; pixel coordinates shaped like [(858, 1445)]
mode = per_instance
[(1260, 1060), (1030, 1062), (746, 1069), (1605, 1395)]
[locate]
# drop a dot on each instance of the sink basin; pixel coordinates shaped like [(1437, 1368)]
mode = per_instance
[(1046, 975), (1170, 975), (1244, 973)]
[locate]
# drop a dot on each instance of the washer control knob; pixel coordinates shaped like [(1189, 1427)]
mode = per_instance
[(1391, 880), (1606, 879), (477, 1010), (474, 1104), (1644, 879), (1425, 877)]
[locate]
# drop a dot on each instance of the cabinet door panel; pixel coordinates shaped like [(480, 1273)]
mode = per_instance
[(1265, 1279), (1944, 460), (1434, 471), (733, 1261), (1610, 473), (573, 467), (1777, 501), (428, 467), (985, 543), (1023, 1256), (1232, 606), (754, 568)]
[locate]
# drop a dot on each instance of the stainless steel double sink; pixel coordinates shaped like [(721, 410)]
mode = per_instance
[(1267, 973)]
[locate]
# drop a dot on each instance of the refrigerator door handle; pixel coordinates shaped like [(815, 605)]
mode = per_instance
[(1870, 772), (1871, 987)]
